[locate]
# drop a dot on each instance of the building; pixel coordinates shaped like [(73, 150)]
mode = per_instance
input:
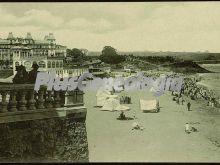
[(25, 51)]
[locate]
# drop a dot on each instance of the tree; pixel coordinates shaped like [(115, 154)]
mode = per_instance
[(110, 56), (76, 55), (109, 51)]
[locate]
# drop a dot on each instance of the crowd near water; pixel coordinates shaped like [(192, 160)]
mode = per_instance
[(191, 90)]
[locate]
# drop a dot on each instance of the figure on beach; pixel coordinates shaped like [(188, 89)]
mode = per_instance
[(187, 130), (188, 106)]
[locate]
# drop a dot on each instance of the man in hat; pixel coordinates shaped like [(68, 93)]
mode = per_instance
[(33, 73)]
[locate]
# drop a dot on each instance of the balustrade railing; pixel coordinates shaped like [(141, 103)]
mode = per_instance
[(22, 97)]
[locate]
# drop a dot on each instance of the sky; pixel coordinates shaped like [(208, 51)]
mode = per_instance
[(126, 26)]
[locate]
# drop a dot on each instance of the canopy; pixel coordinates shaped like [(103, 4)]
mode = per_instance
[(149, 105)]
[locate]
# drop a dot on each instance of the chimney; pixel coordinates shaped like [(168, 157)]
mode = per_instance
[(28, 36), (51, 37), (10, 35)]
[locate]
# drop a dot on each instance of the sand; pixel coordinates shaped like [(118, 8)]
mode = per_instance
[(163, 138)]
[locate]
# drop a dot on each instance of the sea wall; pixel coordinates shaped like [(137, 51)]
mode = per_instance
[(57, 139)]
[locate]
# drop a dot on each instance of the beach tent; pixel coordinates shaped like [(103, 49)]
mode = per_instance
[(101, 96), (149, 105), (110, 104)]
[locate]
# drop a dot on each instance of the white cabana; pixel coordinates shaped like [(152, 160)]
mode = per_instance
[(101, 96), (149, 105), (110, 104)]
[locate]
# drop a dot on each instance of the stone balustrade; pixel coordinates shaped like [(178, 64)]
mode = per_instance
[(20, 99), (43, 126)]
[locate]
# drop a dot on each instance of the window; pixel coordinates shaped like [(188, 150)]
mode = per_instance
[(61, 64), (49, 64), (53, 64), (57, 64), (42, 64), (16, 63)]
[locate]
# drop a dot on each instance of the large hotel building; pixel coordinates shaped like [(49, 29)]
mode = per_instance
[(25, 51)]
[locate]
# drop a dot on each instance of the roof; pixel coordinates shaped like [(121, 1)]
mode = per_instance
[(3, 41), (41, 42)]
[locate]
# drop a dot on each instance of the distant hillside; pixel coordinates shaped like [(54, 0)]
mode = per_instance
[(194, 56), (187, 67)]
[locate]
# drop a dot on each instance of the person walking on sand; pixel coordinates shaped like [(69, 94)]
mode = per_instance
[(182, 100), (187, 130), (188, 106)]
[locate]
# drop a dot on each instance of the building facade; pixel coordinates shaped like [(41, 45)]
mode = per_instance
[(25, 51)]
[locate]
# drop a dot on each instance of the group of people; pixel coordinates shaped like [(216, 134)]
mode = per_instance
[(194, 91), (125, 100), (180, 100), (24, 77)]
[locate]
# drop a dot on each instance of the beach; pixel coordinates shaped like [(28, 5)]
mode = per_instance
[(163, 138)]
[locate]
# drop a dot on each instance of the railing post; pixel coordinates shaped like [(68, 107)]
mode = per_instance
[(40, 101), (32, 100), (4, 102), (49, 100), (13, 101), (57, 99), (22, 102)]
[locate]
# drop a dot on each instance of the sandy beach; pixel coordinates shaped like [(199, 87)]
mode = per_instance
[(163, 138)]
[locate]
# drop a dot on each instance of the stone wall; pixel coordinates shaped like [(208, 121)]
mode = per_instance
[(59, 139)]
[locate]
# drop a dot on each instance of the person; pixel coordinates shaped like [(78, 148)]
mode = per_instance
[(187, 130), (129, 100), (122, 116), (21, 76), (178, 100), (182, 100), (212, 104), (188, 106), (33, 73)]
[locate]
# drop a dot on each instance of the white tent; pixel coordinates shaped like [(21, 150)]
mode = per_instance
[(149, 105), (110, 104), (102, 95)]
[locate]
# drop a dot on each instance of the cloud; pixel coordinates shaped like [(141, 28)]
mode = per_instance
[(38, 18), (81, 24), (189, 26)]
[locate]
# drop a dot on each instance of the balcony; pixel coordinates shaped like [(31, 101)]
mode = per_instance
[(19, 102)]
